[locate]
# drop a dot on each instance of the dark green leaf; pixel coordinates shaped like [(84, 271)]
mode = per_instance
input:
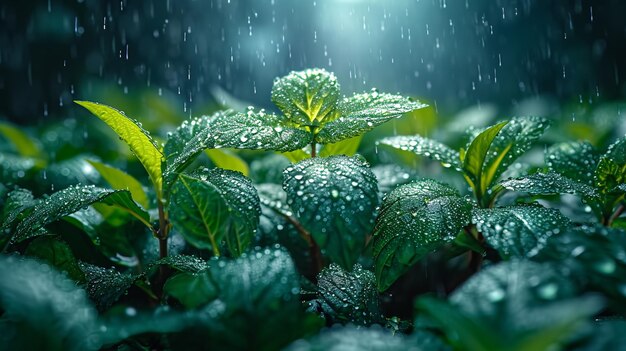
[(268, 169), (362, 112), (574, 160), (604, 335), (43, 310), (71, 171), (390, 176), (72, 199), (425, 147), (518, 231), (549, 183), (58, 254), (184, 263), (105, 286), (211, 206), (14, 169), (335, 199), (307, 98), (415, 219), (17, 205), (192, 289), (348, 297)]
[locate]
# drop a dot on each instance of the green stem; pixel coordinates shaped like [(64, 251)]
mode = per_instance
[(163, 231)]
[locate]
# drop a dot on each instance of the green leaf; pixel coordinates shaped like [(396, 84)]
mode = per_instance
[(227, 159), (549, 183), (72, 199), (604, 335), (191, 289), (23, 143), (56, 253), (574, 160), (184, 263), (210, 206), (347, 147), (519, 231), (517, 137), (105, 285), (139, 141), (296, 156), (425, 147), (43, 309), (119, 179), (415, 219), (15, 169), (307, 98), (268, 169), (611, 171), (362, 112), (514, 305), (71, 171), (474, 159), (348, 297), (390, 176), (17, 205), (335, 199), (371, 339)]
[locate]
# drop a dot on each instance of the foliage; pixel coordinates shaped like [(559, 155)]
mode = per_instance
[(255, 229)]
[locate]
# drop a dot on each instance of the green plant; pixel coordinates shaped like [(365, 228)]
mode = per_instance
[(251, 216)]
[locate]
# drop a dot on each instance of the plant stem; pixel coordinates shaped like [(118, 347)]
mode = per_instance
[(313, 143), (314, 249), (615, 215), (163, 230)]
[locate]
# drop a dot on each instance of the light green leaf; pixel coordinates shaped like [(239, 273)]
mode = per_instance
[(611, 171), (23, 143), (227, 159), (575, 160), (348, 297), (307, 98), (519, 231), (347, 147), (425, 147), (476, 154), (119, 179), (549, 183), (362, 112), (296, 156), (72, 199), (43, 309), (415, 219), (139, 141), (335, 199), (210, 206)]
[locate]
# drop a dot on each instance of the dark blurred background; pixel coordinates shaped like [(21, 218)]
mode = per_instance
[(189, 54)]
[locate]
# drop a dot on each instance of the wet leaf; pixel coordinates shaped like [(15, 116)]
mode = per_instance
[(611, 170), (307, 98), (184, 263), (227, 159), (348, 297), (18, 204), (514, 305), (362, 112), (105, 285), (415, 219), (335, 199), (268, 169), (71, 171), (120, 180), (211, 206), (425, 147), (130, 131), (72, 199), (390, 176), (549, 183), (474, 159), (519, 231), (58, 254), (43, 309), (574, 160)]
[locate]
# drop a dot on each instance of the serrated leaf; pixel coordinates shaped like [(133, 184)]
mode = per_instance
[(519, 231), (425, 147), (517, 137), (105, 286), (307, 98), (119, 179), (335, 199), (347, 147), (58, 254), (514, 305), (351, 338), (211, 206), (72, 199), (415, 219), (474, 159), (139, 141), (43, 309), (362, 112), (348, 297), (549, 183), (574, 160), (23, 143), (227, 159)]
